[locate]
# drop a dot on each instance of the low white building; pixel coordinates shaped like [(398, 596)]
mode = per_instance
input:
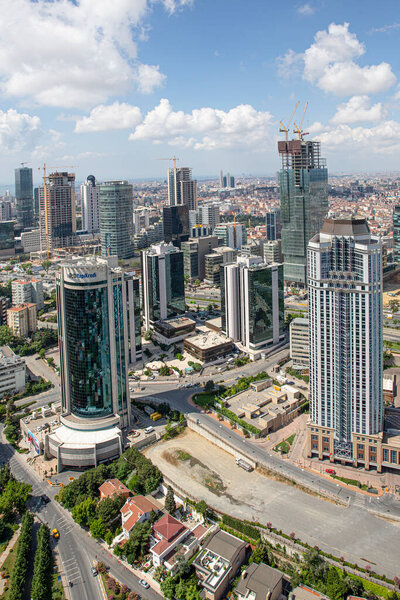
[(12, 372), (30, 241)]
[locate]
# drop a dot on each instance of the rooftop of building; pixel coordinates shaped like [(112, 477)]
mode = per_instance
[(113, 486), (177, 322), (304, 592), (168, 527), (208, 340), (259, 579), (300, 321), (8, 357), (346, 226), (15, 309)]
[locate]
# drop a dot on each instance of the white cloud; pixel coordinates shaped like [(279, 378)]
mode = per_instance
[(74, 54), (18, 131), (330, 64), (204, 128), (105, 118), (383, 138), (358, 109), (306, 9), (173, 5)]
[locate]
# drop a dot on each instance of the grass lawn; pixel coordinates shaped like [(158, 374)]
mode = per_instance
[(58, 590), (9, 566), (285, 445)]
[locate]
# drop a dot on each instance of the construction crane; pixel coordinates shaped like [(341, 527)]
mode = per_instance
[(299, 130), (284, 129), (173, 158), (46, 200)]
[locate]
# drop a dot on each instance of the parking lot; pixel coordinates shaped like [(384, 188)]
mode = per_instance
[(206, 472)]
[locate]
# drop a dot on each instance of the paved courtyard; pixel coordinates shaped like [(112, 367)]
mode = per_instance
[(206, 472)]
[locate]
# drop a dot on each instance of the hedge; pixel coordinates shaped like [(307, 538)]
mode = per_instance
[(18, 576), (244, 528), (231, 415)]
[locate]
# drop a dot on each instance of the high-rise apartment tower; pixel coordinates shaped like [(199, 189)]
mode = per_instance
[(24, 196), (90, 201), (116, 219)]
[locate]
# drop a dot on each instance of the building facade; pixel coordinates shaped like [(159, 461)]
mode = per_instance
[(90, 203), (96, 323), (396, 233), (22, 320), (24, 196), (57, 216), (345, 329), (7, 239), (252, 304), (182, 189), (231, 234), (163, 283), (299, 343), (116, 219), (273, 224), (272, 251), (176, 224), (12, 372), (304, 203), (28, 291), (209, 215), (194, 253)]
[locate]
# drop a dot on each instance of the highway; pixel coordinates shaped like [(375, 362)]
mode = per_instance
[(77, 549)]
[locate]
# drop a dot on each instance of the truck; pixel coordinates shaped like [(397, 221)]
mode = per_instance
[(242, 463)]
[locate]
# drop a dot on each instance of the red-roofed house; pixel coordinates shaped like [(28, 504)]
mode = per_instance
[(167, 534), (136, 510), (113, 487)]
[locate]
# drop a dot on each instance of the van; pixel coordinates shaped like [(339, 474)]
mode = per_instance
[(149, 429)]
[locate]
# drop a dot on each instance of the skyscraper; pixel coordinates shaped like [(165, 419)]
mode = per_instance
[(176, 224), (24, 196), (182, 189), (345, 324), (304, 203), (57, 213), (116, 219), (396, 233), (90, 201), (273, 224), (163, 283), (231, 234), (96, 313), (252, 305), (209, 215)]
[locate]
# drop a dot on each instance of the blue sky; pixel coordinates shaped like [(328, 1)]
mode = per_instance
[(109, 87)]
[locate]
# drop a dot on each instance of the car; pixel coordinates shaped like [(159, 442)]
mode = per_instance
[(330, 471), (45, 499), (94, 572), (149, 429), (55, 533), (144, 583)]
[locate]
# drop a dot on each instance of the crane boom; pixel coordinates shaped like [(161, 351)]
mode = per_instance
[(285, 129)]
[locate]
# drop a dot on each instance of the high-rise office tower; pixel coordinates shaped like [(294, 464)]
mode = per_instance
[(231, 234), (7, 239), (5, 209), (90, 201), (252, 305), (221, 179), (209, 215), (141, 218), (163, 283), (304, 203), (182, 189), (96, 316), (396, 233), (57, 212), (273, 224), (24, 196), (226, 181), (176, 224), (345, 324), (194, 253), (116, 219)]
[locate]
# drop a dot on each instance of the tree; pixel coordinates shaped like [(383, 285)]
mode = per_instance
[(170, 505), (181, 567), (43, 567), (108, 509), (336, 586), (165, 371), (160, 573), (19, 573), (168, 587), (84, 512), (136, 546), (180, 590), (46, 264), (197, 282), (261, 554), (209, 386), (98, 529), (394, 305), (148, 336), (7, 337)]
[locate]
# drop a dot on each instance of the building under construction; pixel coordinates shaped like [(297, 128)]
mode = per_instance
[(304, 202)]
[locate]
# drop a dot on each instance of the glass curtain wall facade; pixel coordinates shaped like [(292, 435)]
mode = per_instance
[(176, 224), (304, 203), (116, 219), (24, 196), (261, 304), (163, 283), (93, 317), (396, 233)]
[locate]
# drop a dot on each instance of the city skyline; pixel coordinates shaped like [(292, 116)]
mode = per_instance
[(116, 117)]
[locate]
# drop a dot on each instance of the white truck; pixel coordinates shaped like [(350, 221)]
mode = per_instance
[(245, 465)]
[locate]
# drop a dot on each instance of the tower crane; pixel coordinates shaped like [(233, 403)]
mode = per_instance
[(46, 200), (299, 130), (173, 158), (285, 129)]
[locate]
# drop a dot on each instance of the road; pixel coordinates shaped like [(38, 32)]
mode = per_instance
[(78, 551)]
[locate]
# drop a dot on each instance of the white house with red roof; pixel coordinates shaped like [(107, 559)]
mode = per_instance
[(136, 510), (167, 534)]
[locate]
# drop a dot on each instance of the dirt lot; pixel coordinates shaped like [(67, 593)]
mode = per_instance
[(206, 472)]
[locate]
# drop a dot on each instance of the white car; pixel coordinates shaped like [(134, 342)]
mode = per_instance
[(149, 429), (144, 583)]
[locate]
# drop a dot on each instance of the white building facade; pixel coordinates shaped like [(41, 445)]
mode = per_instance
[(90, 201), (345, 329)]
